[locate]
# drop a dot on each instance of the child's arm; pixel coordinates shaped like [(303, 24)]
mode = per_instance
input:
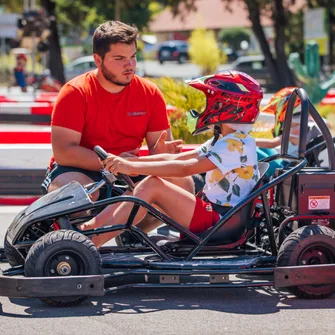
[(164, 157), (268, 143), (164, 168)]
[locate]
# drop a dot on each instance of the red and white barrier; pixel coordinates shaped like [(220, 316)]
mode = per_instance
[(17, 96), (26, 108)]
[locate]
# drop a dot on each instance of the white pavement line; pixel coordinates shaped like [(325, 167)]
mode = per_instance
[(25, 146), (11, 209)]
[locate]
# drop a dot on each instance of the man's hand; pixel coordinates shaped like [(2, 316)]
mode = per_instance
[(162, 146), (130, 154), (117, 165)]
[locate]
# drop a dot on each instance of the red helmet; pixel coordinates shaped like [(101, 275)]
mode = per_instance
[(22, 56), (232, 97)]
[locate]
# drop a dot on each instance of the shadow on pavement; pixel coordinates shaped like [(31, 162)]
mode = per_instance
[(249, 301)]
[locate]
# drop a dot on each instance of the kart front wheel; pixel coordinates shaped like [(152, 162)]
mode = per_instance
[(63, 253), (12, 255), (309, 245)]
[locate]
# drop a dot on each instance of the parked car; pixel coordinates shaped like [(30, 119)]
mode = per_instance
[(173, 51), (85, 64), (231, 54), (254, 66)]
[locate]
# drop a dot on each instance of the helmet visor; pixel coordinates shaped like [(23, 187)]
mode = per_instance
[(192, 119)]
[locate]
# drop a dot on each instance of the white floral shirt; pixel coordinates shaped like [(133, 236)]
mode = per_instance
[(237, 168)]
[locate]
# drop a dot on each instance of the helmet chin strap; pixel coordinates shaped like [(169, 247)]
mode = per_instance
[(217, 133)]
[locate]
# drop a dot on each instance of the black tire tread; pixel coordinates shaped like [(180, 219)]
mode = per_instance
[(289, 244), (12, 255), (41, 244)]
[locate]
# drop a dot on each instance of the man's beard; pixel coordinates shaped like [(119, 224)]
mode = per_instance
[(112, 77)]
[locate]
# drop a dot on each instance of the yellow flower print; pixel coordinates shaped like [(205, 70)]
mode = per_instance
[(240, 135), (235, 145), (245, 173), (215, 176)]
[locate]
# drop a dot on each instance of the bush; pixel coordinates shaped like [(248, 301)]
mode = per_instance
[(204, 51), (184, 98), (325, 110)]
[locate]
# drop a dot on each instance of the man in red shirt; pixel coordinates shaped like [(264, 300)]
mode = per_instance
[(111, 107)]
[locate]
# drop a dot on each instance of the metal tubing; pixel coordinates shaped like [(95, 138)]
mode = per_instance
[(96, 187), (189, 272), (269, 225), (248, 199), (326, 135), (189, 285), (282, 227)]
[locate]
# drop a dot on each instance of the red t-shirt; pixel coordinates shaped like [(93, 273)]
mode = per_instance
[(117, 122)]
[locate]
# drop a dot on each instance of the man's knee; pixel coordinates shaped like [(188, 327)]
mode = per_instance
[(68, 177)]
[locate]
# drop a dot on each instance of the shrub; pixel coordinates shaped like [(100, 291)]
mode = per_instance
[(204, 51), (184, 98)]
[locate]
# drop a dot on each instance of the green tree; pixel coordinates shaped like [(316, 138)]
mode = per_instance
[(294, 32), (204, 50), (277, 63), (329, 5), (233, 37), (83, 15)]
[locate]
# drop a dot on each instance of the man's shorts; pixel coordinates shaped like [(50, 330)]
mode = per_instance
[(60, 169), (204, 216)]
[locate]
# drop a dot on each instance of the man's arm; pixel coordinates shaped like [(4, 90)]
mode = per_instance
[(159, 142), (68, 152)]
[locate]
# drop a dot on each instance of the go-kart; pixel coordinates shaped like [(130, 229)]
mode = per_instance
[(289, 245)]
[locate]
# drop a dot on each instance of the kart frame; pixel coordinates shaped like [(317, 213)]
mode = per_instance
[(171, 268)]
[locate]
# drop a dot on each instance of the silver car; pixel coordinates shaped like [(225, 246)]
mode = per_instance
[(85, 64)]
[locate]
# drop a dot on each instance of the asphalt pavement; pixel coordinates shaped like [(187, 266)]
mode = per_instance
[(174, 311)]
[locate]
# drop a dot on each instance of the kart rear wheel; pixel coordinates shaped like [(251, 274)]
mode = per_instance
[(63, 253), (12, 255), (309, 245)]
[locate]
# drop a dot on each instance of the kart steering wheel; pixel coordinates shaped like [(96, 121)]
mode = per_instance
[(103, 155)]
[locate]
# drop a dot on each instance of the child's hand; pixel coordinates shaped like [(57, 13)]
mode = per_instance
[(116, 165)]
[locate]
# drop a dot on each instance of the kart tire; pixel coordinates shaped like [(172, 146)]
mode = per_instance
[(309, 245), (63, 246), (12, 255)]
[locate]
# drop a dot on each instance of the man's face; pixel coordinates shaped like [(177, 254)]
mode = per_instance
[(119, 64)]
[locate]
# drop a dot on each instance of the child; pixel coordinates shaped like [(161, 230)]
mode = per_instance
[(278, 106), (20, 72), (229, 158)]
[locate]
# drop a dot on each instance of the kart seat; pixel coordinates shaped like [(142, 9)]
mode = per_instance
[(234, 228)]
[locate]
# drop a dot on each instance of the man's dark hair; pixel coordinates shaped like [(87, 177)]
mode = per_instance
[(112, 32)]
